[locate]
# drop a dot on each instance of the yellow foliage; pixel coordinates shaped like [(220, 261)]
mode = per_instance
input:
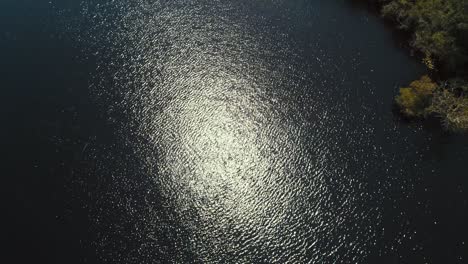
[(414, 100), (424, 86), (428, 61), (408, 101)]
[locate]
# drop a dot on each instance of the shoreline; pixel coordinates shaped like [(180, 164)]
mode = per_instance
[(443, 92)]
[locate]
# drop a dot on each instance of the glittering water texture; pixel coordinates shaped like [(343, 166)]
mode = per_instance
[(248, 132)]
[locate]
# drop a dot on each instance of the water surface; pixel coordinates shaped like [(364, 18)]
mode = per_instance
[(227, 132)]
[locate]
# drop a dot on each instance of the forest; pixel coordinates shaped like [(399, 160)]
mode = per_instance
[(438, 32)]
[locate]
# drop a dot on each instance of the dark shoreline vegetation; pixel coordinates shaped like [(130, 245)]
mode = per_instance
[(438, 32)]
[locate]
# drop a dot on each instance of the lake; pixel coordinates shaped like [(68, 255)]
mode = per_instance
[(193, 131)]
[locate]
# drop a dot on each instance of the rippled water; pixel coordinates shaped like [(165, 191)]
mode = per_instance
[(256, 132), (239, 135)]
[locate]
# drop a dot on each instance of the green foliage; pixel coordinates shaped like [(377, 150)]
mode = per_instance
[(440, 32), (440, 28), (424, 97), (414, 100)]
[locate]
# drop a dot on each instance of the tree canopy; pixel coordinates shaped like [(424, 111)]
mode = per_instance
[(440, 32), (440, 28)]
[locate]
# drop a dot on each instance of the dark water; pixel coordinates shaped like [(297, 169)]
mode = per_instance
[(219, 132)]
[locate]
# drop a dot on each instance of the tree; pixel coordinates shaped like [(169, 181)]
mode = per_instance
[(414, 100), (452, 109), (439, 27)]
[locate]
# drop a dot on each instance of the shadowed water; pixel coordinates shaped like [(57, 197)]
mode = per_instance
[(254, 132)]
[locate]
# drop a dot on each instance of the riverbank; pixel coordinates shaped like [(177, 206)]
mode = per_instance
[(438, 31)]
